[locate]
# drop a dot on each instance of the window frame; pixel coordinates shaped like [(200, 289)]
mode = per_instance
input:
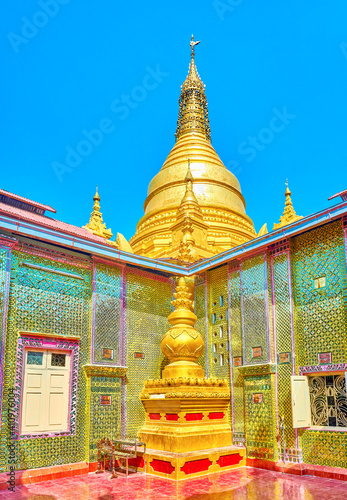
[(46, 366), (323, 371), (55, 344)]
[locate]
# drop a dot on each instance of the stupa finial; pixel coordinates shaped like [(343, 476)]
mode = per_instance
[(96, 224), (289, 214), (192, 46), (193, 113)]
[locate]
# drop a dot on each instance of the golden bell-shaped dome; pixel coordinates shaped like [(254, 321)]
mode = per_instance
[(217, 190)]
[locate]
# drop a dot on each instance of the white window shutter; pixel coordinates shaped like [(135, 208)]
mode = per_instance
[(300, 402)]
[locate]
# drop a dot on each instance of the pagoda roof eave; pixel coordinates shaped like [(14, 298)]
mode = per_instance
[(34, 230)]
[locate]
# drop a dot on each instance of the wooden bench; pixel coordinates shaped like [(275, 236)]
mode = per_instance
[(122, 449)]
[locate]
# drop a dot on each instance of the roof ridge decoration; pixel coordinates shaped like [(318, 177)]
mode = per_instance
[(96, 224), (193, 112), (23, 203), (289, 214)]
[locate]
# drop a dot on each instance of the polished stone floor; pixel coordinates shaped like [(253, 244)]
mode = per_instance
[(240, 484)]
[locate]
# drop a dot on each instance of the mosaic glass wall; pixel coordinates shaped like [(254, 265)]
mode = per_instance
[(148, 306), (325, 448), (3, 274), (320, 312), (43, 301), (4, 252), (200, 311), (321, 322), (254, 284), (235, 318), (284, 343), (105, 419), (107, 314), (218, 323), (260, 417)]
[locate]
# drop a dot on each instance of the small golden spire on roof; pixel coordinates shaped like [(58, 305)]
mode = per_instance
[(187, 252), (193, 112), (289, 214), (189, 196), (96, 224)]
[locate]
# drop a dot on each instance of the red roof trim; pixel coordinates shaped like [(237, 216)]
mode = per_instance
[(342, 193), (26, 200), (54, 224)]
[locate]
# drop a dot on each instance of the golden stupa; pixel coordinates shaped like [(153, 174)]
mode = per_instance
[(216, 189)]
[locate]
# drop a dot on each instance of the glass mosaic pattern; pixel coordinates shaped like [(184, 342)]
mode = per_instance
[(30, 342), (254, 308), (104, 420), (284, 342), (320, 323), (107, 313), (4, 256), (148, 306), (260, 418), (46, 302), (200, 311), (218, 330), (320, 313), (325, 448), (237, 351)]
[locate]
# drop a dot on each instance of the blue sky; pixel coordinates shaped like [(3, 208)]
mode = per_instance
[(67, 65)]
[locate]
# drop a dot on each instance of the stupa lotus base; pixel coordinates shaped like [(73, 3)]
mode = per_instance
[(193, 463)]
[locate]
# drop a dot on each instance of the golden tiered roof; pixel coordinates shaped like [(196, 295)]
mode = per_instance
[(216, 189)]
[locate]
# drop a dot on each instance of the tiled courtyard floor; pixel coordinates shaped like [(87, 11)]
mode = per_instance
[(240, 484)]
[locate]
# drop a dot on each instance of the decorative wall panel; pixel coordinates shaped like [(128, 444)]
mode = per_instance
[(260, 420), (105, 420), (284, 348), (235, 318), (325, 448), (218, 323), (4, 284), (200, 325), (54, 303), (320, 313), (107, 314), (255, 322)]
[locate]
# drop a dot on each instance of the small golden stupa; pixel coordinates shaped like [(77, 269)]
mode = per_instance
[(187, 430), (216, 190)]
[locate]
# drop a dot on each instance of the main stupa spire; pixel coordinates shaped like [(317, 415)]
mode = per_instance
[(216, 206), (193, 112)]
